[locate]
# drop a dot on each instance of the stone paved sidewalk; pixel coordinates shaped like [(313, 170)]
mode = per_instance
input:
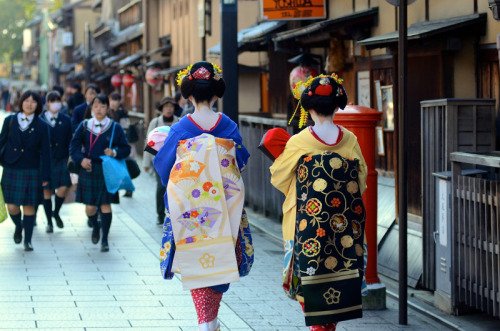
[(68, 283)]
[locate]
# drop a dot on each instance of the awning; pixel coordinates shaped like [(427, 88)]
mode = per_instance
[(76, 75), (130, 33), (112, 59), (101, 30), (66, 67), (99, 77), (320, 31), (157, 63), (253, 38), (131, 59), (164, 50), (428, 29), (171, 70)]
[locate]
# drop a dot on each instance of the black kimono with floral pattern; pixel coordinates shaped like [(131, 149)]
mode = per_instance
[(328, 245)]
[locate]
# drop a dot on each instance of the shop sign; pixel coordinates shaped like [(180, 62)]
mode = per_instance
[(293, 9)]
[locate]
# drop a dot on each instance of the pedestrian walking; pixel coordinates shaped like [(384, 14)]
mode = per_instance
[(200, 150), (322, 173), (78, 114), (166, 106), (75, 97), (60, 137), (119, 114), (184, 105), (64, 105), (25, 157), (90, 141)]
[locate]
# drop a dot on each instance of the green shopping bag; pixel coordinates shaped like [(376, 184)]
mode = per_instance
[(3, 208)]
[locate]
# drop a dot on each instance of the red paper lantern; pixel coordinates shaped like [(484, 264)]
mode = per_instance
[(116, 80), (128, 80), (301, 73), (153, 77)]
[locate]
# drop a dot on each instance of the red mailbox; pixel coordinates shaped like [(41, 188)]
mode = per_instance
[(362, 122)]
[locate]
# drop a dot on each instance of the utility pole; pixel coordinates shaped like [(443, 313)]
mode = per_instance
[(88, 53), (229, 54), (402, 162)]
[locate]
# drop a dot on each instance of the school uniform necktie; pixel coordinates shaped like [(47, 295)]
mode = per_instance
[(25, 119), (53, 119)]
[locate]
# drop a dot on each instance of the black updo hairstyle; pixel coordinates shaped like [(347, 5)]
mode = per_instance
[(102, 98), (324, 95), (202, 89), (53, 96), (35, 96)]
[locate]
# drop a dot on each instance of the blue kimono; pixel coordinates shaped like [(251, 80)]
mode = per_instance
[(164, 161)]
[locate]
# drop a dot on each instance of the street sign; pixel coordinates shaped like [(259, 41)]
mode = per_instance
[(293, 10)]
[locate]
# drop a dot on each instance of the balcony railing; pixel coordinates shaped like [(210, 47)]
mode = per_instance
[(260, 194)]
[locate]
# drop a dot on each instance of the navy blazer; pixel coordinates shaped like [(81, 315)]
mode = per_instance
[(60, 136), (80, 144), (78, 115), (28, 149)]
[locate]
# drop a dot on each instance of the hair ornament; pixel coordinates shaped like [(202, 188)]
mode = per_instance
[(183, 73), (201, 73), (324, 89)]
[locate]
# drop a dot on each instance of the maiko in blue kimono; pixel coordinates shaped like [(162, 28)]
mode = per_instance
[(164, 161)]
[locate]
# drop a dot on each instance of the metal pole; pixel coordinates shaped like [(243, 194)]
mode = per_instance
[(402, 164), (229, 54), (88, 54)]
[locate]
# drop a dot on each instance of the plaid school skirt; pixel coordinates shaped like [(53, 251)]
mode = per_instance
[(59, 174), (91, 189), (22, 187)]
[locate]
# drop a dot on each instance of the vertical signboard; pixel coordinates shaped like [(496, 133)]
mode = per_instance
[(293, 9)]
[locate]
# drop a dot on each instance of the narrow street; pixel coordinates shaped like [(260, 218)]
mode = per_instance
[(68, 283)]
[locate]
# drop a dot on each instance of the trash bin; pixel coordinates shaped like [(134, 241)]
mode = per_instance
[(442, 237)]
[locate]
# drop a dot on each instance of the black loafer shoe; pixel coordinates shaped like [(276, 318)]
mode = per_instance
[(128, 194), (28, 247), (18, 235), (90, 223), (95, 235), (160, 221), (59, 221), (49, 228), (104, 248)]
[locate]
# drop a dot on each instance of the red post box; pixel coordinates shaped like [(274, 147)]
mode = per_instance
[(362, 122)]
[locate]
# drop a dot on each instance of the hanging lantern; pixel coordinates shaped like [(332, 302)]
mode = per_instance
[(153, 77), (301, 73), (116, 80), (128, 80)]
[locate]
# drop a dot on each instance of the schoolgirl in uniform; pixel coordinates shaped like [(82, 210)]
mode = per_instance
[(90, 141), (60, 137), (25, 157)]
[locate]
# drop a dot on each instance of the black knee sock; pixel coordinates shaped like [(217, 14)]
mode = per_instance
[(47, 206), (59, 203), (93, 219), (28, 223), (17, 220), (106, 224)]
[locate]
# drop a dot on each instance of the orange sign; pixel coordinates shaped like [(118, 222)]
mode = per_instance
[(293, 9)]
